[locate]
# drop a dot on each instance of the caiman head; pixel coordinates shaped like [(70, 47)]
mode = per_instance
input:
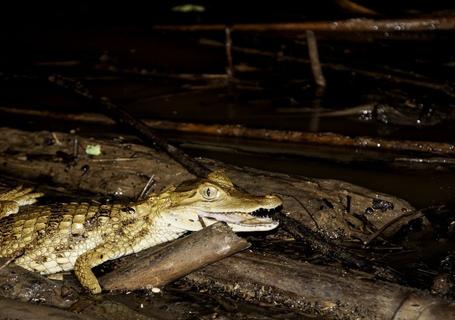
[(195, 204)]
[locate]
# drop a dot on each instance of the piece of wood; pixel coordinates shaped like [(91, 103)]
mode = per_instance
[(327, 291), (316, 68), (12, 309), (159, 267), (18, 283)]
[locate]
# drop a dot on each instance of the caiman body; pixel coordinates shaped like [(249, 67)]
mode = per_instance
[(80, 236)]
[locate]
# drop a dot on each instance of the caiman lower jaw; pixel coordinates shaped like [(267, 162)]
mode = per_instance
[(240, 221)]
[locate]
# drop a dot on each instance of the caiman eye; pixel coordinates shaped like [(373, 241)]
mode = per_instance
[(209, 193)]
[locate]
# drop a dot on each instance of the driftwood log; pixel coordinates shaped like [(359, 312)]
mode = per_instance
[(329, 291)]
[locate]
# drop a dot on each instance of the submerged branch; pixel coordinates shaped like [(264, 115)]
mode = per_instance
[(328, 139)]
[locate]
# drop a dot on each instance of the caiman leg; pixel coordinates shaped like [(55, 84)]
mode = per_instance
[(90, 259), (109, 250), (11, 201)]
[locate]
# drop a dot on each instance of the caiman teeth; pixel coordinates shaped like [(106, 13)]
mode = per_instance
[(263, 212), (257, 217)]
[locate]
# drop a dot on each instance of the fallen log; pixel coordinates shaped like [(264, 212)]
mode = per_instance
[(171, 262), (327, 291)]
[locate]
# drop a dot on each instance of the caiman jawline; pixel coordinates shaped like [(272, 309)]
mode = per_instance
[(242, 218)]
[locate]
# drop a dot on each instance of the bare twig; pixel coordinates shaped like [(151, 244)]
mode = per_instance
[(314, 59), (230, 64), (408, 215), (356, 8), (146, 188)]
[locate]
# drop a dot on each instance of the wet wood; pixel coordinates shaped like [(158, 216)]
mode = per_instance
[(11, 309), (171, 262), (20, 287), (327, 291), (18, 283), (238, 131), (353, 25)]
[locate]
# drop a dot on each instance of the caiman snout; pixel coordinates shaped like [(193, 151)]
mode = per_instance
[(272, 201)]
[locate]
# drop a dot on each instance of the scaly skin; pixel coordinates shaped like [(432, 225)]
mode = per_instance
[(80, 236)]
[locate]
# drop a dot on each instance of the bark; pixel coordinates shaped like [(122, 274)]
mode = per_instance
[(179, 258)]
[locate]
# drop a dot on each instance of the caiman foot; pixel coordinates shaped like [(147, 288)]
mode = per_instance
[(11, 201)]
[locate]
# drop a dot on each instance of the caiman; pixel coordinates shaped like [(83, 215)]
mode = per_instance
[(79, 236)]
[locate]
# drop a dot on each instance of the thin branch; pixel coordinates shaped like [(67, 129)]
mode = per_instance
[(356, 8), (230, 64), (357, 25), (409, 215), (314, 59)]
